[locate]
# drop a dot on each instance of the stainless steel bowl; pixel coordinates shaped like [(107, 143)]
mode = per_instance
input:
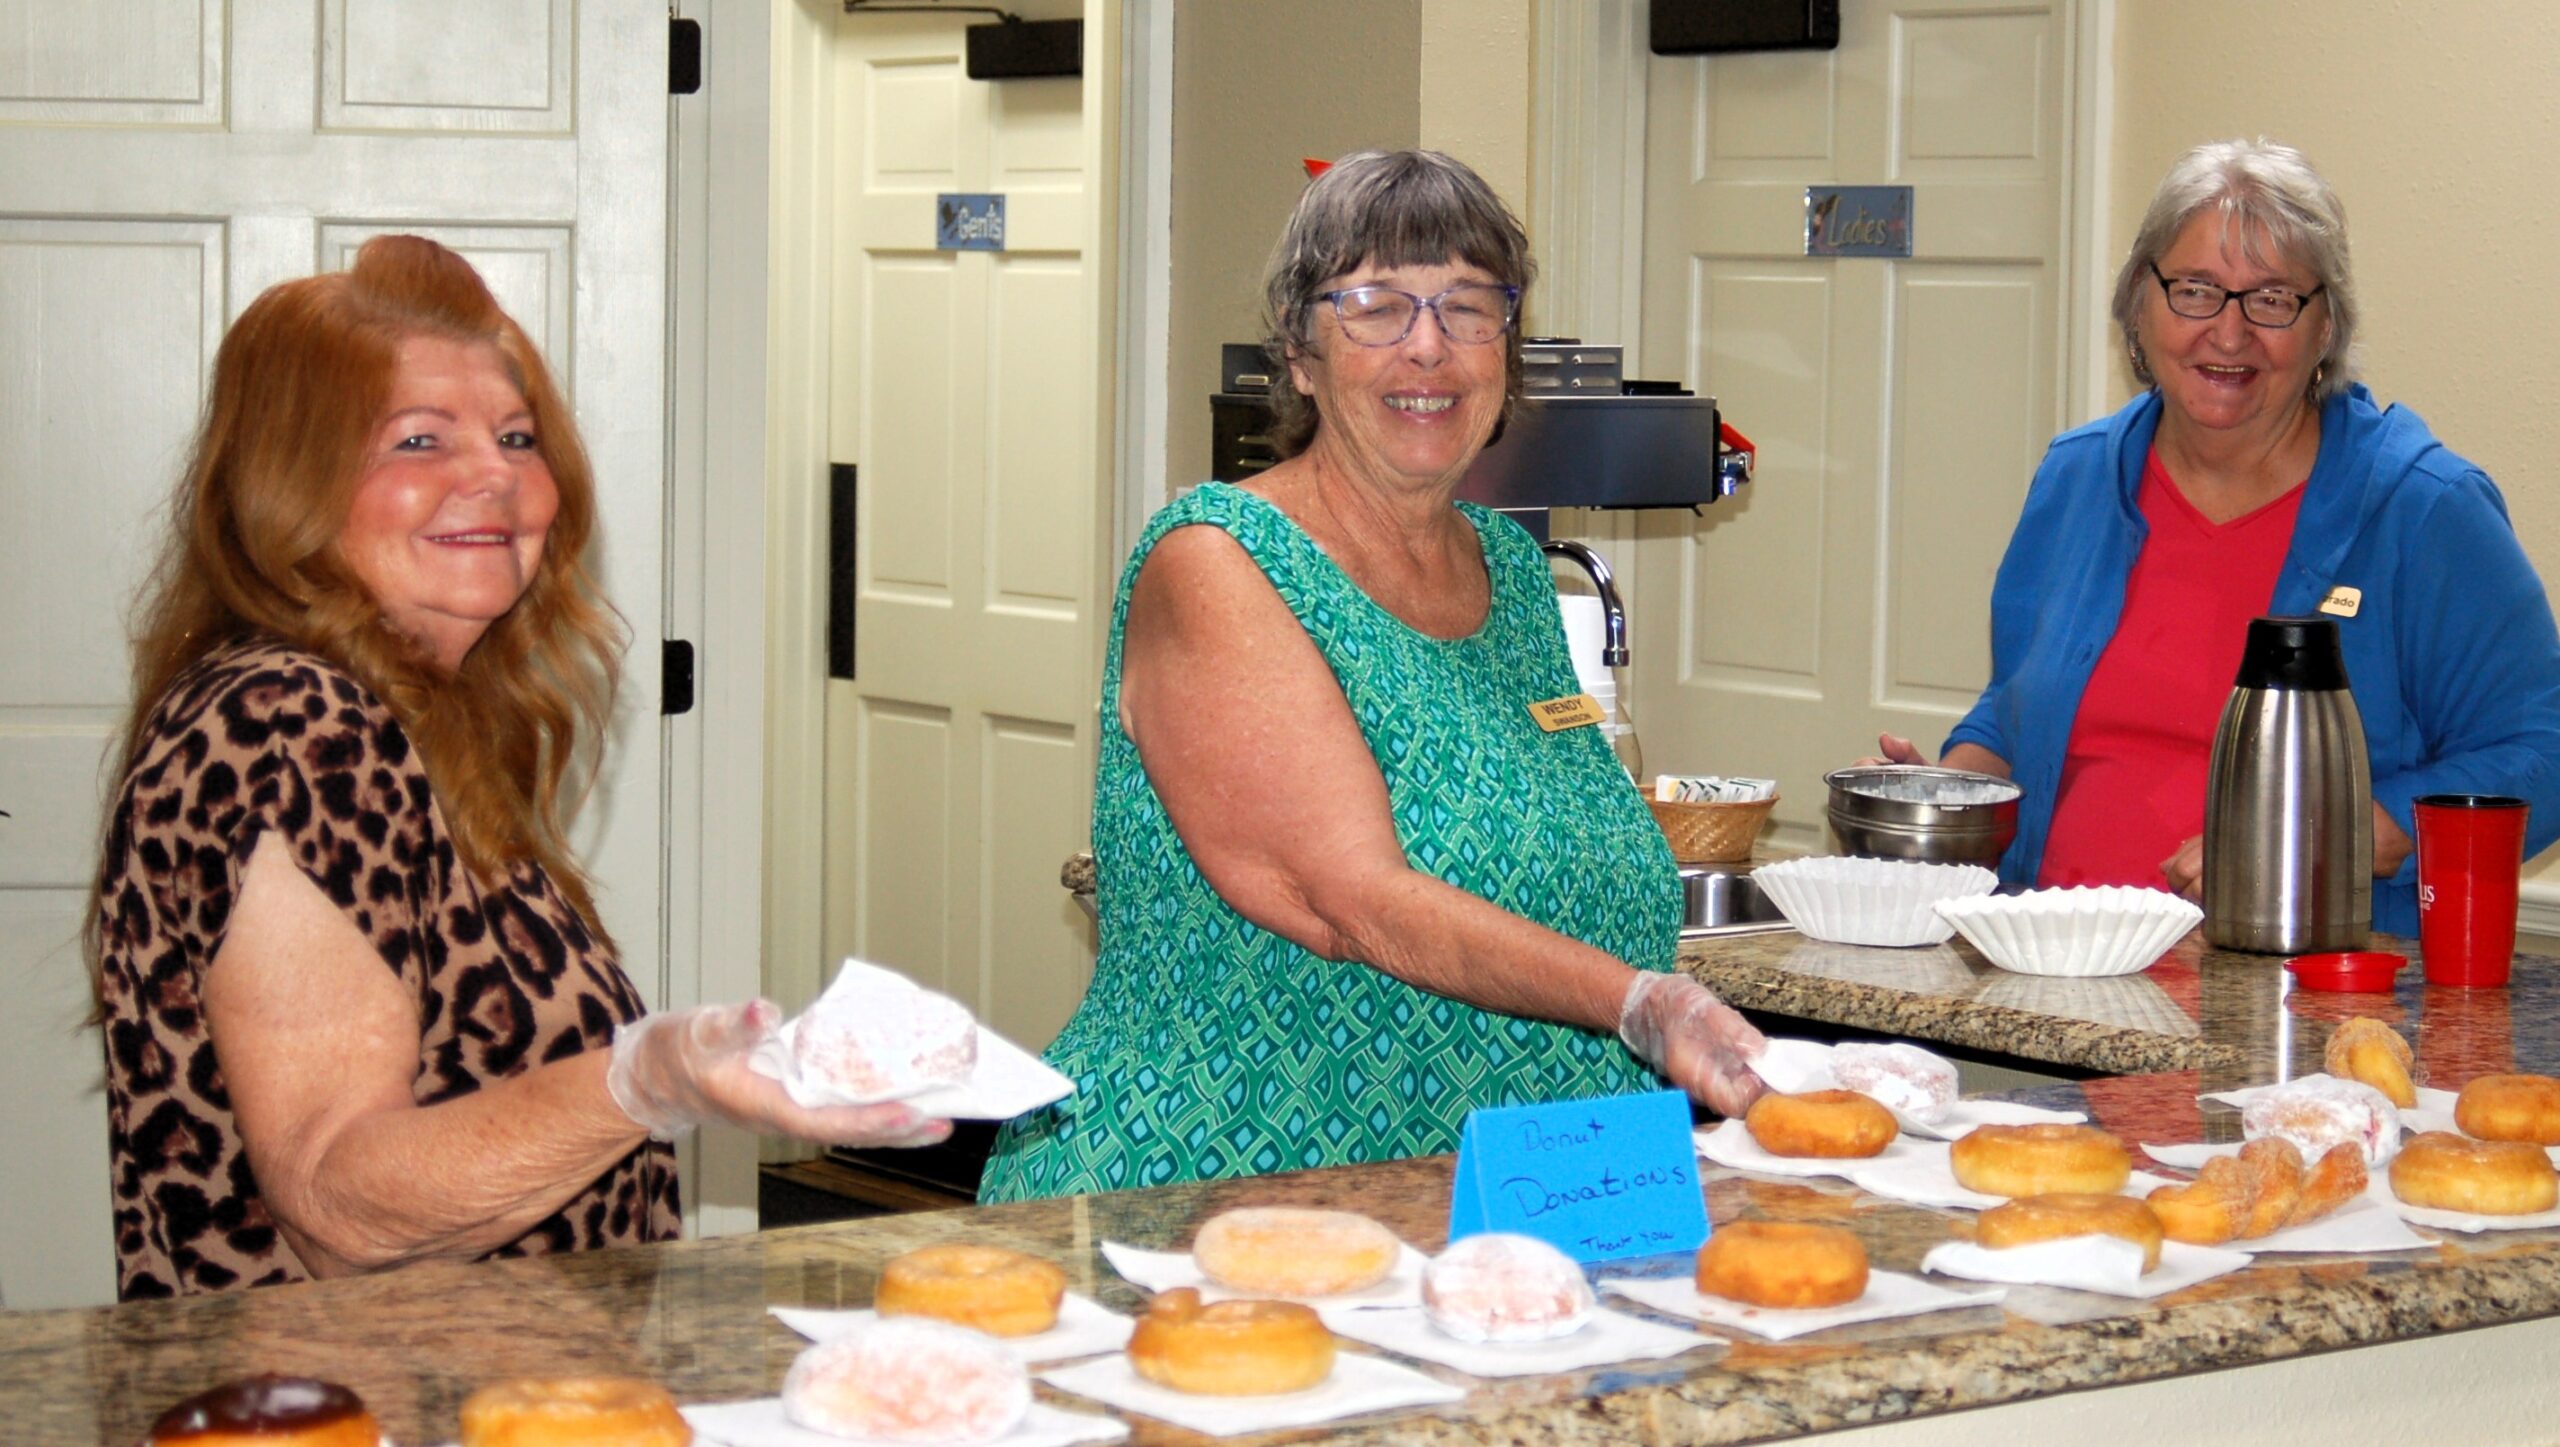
[(1909, 811)]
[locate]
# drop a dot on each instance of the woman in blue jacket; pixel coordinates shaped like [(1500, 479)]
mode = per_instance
[(2255, 476)]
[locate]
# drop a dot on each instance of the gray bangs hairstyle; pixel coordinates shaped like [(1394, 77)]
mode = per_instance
[(1390, 208), (2269, 195)]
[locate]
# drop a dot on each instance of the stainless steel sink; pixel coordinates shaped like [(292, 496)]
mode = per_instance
[(1722, 903)]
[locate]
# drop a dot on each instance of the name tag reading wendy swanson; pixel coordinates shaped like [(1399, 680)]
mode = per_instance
[(1572, 711)]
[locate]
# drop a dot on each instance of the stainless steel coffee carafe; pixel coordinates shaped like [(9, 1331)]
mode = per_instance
[(2288, 830)]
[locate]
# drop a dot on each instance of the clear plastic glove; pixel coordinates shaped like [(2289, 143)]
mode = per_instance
[(671, 1072), (1698, 1042)]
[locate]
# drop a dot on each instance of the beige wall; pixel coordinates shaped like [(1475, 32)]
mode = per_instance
[(2440, 128), (1259, 85)]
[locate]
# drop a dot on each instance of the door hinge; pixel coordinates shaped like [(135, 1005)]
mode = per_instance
[(675, 677), (841, 518), (684, 56)]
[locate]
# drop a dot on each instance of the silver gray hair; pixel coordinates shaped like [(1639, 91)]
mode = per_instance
[(2267, 194), (1393, 208)]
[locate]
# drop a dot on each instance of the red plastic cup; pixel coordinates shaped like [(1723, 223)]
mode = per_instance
[(2470, 855)]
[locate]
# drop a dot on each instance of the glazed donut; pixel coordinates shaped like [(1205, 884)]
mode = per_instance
[(985, 1288), (2333, 1181), (2510, 1108), (1785, 1264), (2279, 1183), (1822, 1124), (2321, 1111), (2036, 1160), (1901, 1078), (1505, 1288), (573, 1412), (881, 1045), (2372, 1053), (2061, 1214), (268, 1411), (2212, 1208), (908, 1380), (1293, 1251), (2447, 1172), (1230, 1348)]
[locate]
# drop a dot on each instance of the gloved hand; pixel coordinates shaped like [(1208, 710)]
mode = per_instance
[(671, 1072), (1697, 1042)]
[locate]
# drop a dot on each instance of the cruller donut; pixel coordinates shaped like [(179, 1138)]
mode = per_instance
[(996, 1291), (2036, 1160), (2510, 1108), (1790, 1265), (1294, 1251), (1821, 1124), (2447, 1172), (1230, 1348), (573, 1412)]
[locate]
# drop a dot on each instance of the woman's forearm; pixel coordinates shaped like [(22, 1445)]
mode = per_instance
[(1441, 939)]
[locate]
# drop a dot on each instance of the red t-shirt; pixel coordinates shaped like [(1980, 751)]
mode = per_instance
[(2133, 775)]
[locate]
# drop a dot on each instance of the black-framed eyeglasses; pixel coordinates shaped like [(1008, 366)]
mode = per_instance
[(2272, 307), (1381, 316)]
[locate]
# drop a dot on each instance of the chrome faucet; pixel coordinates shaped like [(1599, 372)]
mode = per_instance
[(1613, 648)]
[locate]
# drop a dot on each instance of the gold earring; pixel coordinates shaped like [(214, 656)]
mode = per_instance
[(2141, 364)]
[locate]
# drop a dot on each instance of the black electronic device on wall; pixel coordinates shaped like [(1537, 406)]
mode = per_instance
[(1714, 27)]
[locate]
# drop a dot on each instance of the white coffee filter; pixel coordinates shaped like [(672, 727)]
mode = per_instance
[(1869, 901), (2081, 933)]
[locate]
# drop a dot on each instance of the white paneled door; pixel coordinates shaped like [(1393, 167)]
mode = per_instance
[(1899, 406), (960, 757), (162, 163)]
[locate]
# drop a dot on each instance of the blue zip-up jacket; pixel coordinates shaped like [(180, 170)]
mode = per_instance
[(2452, 654)]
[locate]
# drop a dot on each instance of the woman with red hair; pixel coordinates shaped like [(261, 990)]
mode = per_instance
[(359, 1007)]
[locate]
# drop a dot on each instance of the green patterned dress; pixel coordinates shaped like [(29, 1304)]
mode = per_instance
[(1210, 1047)]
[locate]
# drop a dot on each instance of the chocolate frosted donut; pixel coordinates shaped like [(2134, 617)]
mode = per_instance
[(269, 1409)]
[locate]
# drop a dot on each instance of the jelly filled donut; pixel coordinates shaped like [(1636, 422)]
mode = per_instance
[(573, 1412), (1901, 1078), (1821, 1124), (1293, 1251), (985, 1288), (1505, 1288), (2036, 1160), (1785, 1264), (268, 1411), (908, 1380), (2510, 1108), (2322, 1111), (880, 1045), (1230, 1348)]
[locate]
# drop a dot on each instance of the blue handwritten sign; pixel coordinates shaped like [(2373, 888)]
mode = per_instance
[(1597, 1179), (965, 221), (1857, 221)]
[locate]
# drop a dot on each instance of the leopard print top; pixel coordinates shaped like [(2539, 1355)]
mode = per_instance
[(262, 737)]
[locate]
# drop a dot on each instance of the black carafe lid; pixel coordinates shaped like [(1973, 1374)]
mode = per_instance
[(2297, 654)]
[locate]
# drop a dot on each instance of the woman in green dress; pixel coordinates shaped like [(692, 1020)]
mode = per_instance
[(1349, 888)]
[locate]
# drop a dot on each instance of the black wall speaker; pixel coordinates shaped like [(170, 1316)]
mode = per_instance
[(1713, 27), (1022, 49)]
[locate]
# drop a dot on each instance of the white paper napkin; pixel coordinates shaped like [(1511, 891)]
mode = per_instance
[(1084, 1329), (1358, 1384), (1610, 1336), (1008, 1080), (2085, 1263), (761, 1423), (2379, 1189), (1792, 1067), (1888, 1294), (1165, 1270)]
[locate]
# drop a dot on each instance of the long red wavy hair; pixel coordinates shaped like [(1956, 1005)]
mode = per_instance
[(298, 387)]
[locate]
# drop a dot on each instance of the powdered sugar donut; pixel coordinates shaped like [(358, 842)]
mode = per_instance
[(882, 1044), (2320, 1111), (908, 1380), (1505, 1288), (1903, 1078)]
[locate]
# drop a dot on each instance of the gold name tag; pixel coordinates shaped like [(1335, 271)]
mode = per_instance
[(2343, 601), (1569, 712)]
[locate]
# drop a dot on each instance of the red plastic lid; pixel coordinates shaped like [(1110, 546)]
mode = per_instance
[(2366, 972)]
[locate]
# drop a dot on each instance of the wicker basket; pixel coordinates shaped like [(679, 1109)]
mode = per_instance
[(1711, 833)]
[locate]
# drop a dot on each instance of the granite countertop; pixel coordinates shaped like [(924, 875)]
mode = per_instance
[(694, 1314)]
